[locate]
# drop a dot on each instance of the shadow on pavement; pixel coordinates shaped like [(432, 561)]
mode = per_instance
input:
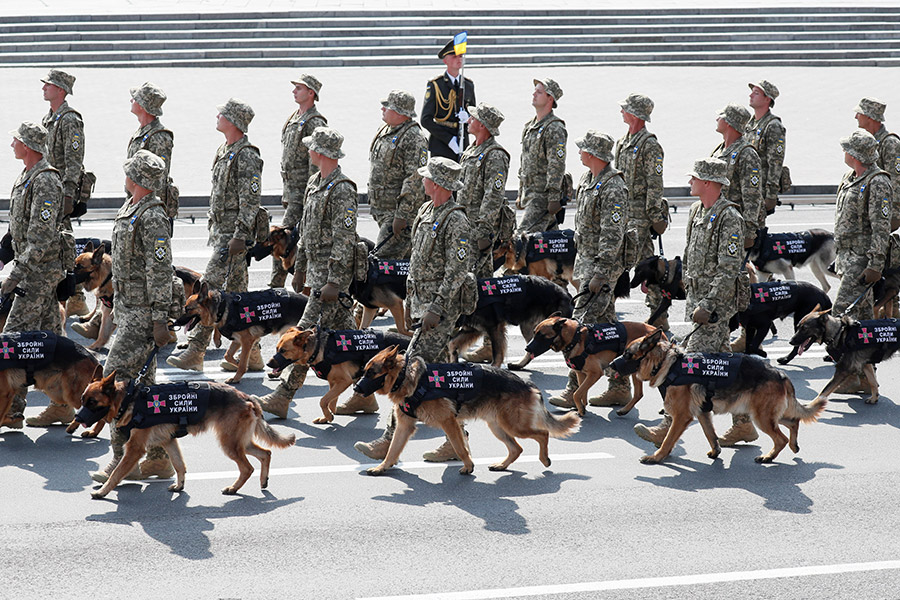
[(63, 460)]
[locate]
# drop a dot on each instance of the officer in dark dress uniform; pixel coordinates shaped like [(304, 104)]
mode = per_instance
[(444, 107)]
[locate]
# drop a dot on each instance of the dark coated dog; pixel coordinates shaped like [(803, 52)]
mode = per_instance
[(548, 254), (663, 273), (782, 252), (383, 289)]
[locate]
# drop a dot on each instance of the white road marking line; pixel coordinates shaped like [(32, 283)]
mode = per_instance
[(653, 582), (401, 465)]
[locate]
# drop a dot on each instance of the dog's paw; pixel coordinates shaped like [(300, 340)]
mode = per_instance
[(264, 483), (765, 458), (176, 488), (783, 360), (98, 495), (649, 460), (714, 454), (466, 470), (88, 434), (233, 380), (375, 471), (323, 420), (229, 491), (872, 400), (623, 411), (496, 467)]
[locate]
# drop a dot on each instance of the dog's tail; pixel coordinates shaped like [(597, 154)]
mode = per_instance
[(558, 427), (802, 412), (267, 434)]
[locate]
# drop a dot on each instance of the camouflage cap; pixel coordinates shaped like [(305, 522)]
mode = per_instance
[(150, 97), (238, 112), (597, 144), (767, 87), (32, 135), (444, 172), (326, 141), (401, 102), (60, 79), (309, 81), (146, 169), (735, 115), (710, 169), (638, 105), (862, 146), (872, 108), (489, 116), (551, 87)]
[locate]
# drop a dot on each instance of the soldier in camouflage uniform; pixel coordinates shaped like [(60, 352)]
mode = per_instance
[(440, 260), (743, 169), (35, 212), (65, 153), (767, 135), (296, 166), (325, 253), (233, 204), (712, 264), (142, 282), (639, 157), (395, 188), (600, 224), (542, 166)]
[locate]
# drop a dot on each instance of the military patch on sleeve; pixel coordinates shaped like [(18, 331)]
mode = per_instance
[(254, 184), (617, 212), (659, 165), (46, 210), (754, 177), (161, 249), (886, 207), (498, 181), (779, 147), (733, 244), (561, 149), (350, 218), (423, 157), (897, 164), (462, 250), (76, 141), (428, 92)]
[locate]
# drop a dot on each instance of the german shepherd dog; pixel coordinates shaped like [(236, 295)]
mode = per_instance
[(539, 299), (663, 273), (570, 337), (855, 346), (214, 308), (781, 252), (511, 407), (520, 259), (282, 244), (93, 268), (312, 347), (760, 390), (382, 290), (885, 291), (236, 418)]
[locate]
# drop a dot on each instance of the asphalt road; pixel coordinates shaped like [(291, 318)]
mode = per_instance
[(596, 524)]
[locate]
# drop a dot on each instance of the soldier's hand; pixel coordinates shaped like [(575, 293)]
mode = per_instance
[(483, 244), (398, 225), (236, 246), (329, 292), (160, 333), (519, 205), (407, 316), (701, 316), (463, 116), (660, 226), (454, 144), (748, 243), (596, 284), (298, 281), (870, 276), (554, 206), (68, 205), (430, 320), (8, 285)]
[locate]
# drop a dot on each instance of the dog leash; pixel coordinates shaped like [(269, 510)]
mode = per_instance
[(132, 385), (855, 302), (374, 252), (16, 290), (712, 319)]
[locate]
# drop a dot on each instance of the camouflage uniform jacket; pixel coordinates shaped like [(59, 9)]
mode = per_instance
[(889, 160), (713, 256), (142, 256), (394, 156), (863, 215), (640, 159), (767, 136), (439, 261), (600, 223), (35, 212), (328, 231), (157, 139), (236, 185), (65, 146), (485, 168), (744, 190), (295, 166), (543, 162)]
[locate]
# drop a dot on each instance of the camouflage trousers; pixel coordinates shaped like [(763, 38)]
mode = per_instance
[(130, 349), (850, 267), (228, 272), (397, 247), (292, 201), (644, 249), (536, 218), (712, 337)]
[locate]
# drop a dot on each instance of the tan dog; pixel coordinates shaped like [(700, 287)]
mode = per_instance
[(515, 252), (96, 265)]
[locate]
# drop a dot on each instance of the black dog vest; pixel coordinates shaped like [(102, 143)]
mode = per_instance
[(460, 382), (767, 296), (28, 350), (253, 308), (714, 371), (877, 333), (494, 290), (558, 245), (783, 245), (358, 345), (388, 270), (599, 338), (183, 403)]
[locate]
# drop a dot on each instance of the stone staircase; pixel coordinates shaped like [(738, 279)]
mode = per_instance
[(780, 36)]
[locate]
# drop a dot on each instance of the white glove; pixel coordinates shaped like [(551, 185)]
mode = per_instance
[(463, 116), (454, 144)]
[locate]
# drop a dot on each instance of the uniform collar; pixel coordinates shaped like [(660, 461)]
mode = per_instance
[(534, 123), (324, 181), (154, 124), (128, 209), (39, 166)]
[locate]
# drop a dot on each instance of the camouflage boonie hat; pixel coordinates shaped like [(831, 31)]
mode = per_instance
[(401, 102), (146, 169), (489, 116), (710, 169), (597, 144), (862, 146), (150, 97), (238, 112), (767, 87), (872, 108), (551, 87), (32, 135), (638, 105), (309, 81), (735, 115), (326, 141), (444, 172), (60, 79)]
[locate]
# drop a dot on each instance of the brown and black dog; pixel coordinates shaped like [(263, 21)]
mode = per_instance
[(754, 387), (93, 268), (589, 350), (339, 357), (531, 253), (511, 407), (236, 418), (282, 242)]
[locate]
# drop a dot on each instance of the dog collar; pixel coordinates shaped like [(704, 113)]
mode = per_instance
[(655, 370), (220, 311), (575, 339), (107, 280), (315, 351), (400, 378)]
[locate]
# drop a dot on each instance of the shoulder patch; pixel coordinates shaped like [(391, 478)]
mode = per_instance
[(76, 141), (499, 180), (161, 249), (561, 149), (733, 244), (423, 157), (886, 207), (47, 210), (659, 165), (779, 147), (254, 184), (350, 218), (754, 177), (462, 249)]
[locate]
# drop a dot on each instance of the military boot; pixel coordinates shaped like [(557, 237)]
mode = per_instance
[(566, 398), (655, 434), (618, 393), (102, 476), (445, 451), (54, 413), (485, 354), (156, 467), (740, 344), (278, 401), (357, 403), (88, 330), (189, 360), (741, 430), (255, 364), (377, 449), (13, 421)]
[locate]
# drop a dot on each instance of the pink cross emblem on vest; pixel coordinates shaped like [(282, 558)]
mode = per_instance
[(156, 403), (7, 350), (690, 365), (540, 246), (779, 247), (344, 343), (762, 295), (436, 379), (385, 267), (865, 335), (489, 288), (247, 313)]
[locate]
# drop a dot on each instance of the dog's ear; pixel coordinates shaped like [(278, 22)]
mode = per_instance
[(97, 375), (392, 352), (108, 384), (203, 290), (89, 247), (650, 341), (556, 314), (97, 256)]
